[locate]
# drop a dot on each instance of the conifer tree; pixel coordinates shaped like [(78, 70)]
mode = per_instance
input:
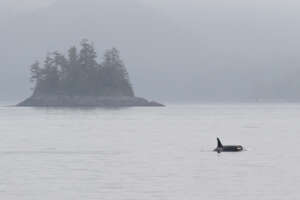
[(80, 73)]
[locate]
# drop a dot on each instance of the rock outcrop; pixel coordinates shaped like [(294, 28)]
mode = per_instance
[(86, 101)]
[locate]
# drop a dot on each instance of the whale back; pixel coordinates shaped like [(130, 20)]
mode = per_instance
[(232, 148)]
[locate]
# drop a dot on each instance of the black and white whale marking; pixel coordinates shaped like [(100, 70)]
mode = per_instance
[(227, 148)]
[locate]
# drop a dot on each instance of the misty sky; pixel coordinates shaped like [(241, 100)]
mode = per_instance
[(193, 50), (22, 5), (267, 5)]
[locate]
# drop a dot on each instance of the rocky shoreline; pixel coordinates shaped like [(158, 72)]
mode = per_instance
[(86, 101)]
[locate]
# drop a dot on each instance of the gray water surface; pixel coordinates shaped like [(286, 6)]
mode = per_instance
[(150, 153)]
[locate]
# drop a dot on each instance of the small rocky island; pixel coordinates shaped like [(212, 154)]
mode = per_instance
[(79, 80)]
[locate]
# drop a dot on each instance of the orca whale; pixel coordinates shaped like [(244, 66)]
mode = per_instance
[(227, 148)]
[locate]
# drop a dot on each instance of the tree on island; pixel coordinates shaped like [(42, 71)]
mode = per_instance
[(80, 74)]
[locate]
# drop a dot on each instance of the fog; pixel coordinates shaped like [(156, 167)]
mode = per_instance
[(179, 50)]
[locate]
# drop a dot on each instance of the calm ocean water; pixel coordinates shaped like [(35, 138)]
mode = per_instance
[(150, 153)]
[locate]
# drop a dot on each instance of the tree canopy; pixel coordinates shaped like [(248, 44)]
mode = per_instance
[(80, 74)]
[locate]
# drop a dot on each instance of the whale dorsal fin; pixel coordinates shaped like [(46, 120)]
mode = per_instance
[(219, 143)]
